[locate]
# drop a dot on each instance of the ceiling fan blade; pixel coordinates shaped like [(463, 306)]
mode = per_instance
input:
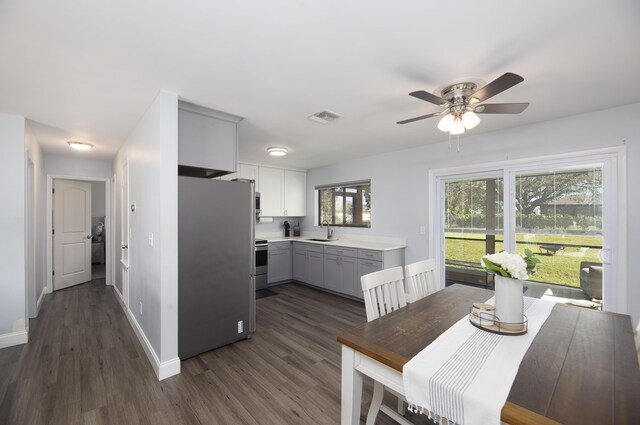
[(418, 118), (501, 108), (428, 97), (497, 86)]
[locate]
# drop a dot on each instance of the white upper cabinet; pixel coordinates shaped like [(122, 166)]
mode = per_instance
[(271, 191), (206, 138), (295, 193), (283, 193)]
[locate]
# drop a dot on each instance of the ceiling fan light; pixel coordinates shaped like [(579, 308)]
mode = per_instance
[(457, 128), (446, 123), (470, 120)]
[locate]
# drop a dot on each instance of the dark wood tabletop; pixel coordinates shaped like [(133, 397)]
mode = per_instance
[(581, 368)]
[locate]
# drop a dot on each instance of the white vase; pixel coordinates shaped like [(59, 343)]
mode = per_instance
[(509, 303)]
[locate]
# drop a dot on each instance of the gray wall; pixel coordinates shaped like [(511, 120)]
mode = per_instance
[(98, 205), (152, 154), (399, 180), (12, 249), (77, 167), (34, 152)]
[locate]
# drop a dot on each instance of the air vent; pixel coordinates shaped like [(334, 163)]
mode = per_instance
[(323, 117)]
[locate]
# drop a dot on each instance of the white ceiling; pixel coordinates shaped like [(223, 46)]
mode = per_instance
[(88, 70)]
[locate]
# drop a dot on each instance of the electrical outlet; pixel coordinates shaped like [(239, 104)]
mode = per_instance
[(150, 238), (423, 230), (140, 308), (240, 327)]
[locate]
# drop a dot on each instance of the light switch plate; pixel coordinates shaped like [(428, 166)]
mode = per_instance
[(150, 238)]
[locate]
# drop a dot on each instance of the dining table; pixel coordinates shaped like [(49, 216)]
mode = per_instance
[(581, 368)]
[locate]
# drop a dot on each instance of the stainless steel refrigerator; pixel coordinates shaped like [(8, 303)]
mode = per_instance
[(216, 287)]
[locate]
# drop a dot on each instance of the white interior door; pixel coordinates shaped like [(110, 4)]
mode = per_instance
[(71, 233)]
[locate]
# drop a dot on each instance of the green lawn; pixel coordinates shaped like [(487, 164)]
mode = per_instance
[(562, 268)]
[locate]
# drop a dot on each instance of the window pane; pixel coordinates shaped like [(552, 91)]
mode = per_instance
[(559, 217), (348, 212), (339, 209), (474, 222)]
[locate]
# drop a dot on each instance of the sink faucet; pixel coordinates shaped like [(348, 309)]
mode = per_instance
[(329, 231)]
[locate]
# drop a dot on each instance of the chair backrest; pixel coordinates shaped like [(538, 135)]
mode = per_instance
[(383, 292), (421, 279)]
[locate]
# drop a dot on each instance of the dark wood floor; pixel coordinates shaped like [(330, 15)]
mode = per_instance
[(84, 365)]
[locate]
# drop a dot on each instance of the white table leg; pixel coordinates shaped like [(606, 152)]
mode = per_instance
[(351, 388)]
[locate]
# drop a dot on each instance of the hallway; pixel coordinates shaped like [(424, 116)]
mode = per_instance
[(84, 365)]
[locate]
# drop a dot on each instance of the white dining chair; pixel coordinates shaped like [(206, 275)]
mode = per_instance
[(421, 279), (383, 293)]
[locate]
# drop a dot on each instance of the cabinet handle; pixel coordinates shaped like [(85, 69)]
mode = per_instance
[(368, 263), (369, 255), (339, 252)]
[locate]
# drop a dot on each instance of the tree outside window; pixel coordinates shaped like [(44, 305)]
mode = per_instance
[(347, 205)]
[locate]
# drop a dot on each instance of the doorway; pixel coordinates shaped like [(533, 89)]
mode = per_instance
[(564, 209), (78, 249)]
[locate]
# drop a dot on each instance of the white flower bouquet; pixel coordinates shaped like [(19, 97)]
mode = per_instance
[(515, 266)]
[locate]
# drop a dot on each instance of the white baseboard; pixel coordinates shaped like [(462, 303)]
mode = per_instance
[(168, 368), (14, 338), (163, 370), (39, 302), (119, 297)]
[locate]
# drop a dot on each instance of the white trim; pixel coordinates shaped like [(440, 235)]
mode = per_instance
[(164, 369), (119, 293), (30, 238), (40, 300), (616, 155), (113, 188), (14, 338), (49, 225)]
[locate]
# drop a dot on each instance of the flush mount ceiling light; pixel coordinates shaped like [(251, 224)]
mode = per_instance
[(80, 146), (274, 151), (462, 103)]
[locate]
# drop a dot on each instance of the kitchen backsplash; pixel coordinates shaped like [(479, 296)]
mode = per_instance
[(276, 225)]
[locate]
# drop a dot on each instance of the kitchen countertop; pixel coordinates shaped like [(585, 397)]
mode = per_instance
[(378, 246)]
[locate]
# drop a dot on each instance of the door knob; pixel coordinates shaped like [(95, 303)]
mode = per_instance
[(124, 246), (88, 237)]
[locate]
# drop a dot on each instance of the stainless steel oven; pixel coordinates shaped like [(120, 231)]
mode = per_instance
[(261, 264)]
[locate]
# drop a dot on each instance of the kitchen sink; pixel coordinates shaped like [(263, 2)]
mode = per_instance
[(321, 240)]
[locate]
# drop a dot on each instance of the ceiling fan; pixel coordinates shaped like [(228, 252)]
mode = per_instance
[(463, 102)]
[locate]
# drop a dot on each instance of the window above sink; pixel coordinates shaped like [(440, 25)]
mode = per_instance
[(345, 204)]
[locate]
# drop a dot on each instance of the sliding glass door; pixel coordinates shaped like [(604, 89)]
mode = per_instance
[(558, 216), (473, 225), (563, 210)]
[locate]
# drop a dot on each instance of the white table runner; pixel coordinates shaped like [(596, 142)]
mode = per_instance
[(464, 377)]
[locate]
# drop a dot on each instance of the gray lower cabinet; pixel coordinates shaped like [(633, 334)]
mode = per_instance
[(343, 267), (279, 262), (338, 268), (366, 267), (340, 274), (308, 263)]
